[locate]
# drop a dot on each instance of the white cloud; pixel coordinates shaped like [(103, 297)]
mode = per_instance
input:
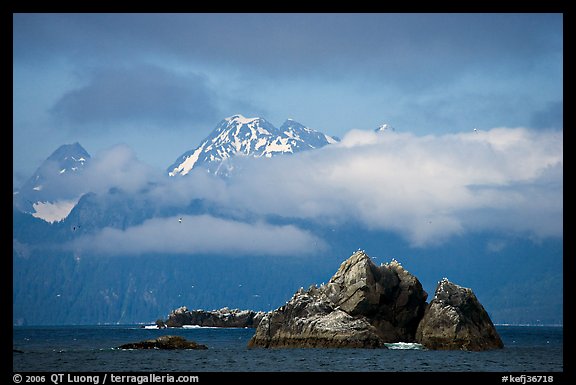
[(117, 167), (202, 234), (427, 188)]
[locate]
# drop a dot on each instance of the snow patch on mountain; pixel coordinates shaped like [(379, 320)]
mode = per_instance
[(240, 119), (188, 163), (53, 211)]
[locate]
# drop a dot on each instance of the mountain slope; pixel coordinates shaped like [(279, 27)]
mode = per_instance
[(241, 136), (48, 194)]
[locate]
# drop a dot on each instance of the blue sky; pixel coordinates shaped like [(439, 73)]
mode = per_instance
[(159, 83)]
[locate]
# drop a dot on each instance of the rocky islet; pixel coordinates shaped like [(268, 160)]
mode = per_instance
[(366, 306), (165, 343), (225, 317)]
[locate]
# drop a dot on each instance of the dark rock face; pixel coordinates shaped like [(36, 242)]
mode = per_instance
[(391, 298), (216, 318), (309, 320), (455, 320), (165, 342), (363, 305)]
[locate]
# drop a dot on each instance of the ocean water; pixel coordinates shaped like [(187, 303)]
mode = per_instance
[(94, 349)]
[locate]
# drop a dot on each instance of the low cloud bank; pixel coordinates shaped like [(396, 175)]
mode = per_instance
[(202, 234), (425, 188)]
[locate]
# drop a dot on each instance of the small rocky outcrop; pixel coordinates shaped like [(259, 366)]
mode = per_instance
[(363, 305), (224, 318), (455, 320), (165, 342)]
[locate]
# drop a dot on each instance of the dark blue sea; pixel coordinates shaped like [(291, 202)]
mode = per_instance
[(94, 349)]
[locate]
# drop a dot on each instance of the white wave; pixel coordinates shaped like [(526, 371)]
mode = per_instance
[(404, 346), (150, 327), (183, 327), (189, 327), (211, 327)]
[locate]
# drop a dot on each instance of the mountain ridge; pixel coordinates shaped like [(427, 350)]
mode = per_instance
[(241, 136)]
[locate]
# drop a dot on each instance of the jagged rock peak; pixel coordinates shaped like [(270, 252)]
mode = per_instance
[(358, 260), (455, 319), (452, 293), (391, 297)]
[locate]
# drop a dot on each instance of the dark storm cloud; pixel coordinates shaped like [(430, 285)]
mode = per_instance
[(138, 94), (292, 43)]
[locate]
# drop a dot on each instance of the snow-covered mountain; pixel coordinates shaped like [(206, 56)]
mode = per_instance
[(47, 194), (241, 136)]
